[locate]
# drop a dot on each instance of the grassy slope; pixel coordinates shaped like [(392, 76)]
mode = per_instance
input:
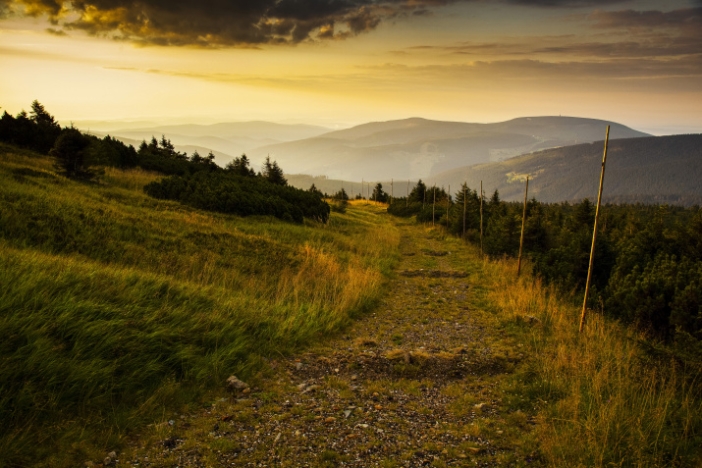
[(114, 304), (605, 397)]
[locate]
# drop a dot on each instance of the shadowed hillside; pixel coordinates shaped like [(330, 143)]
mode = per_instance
[(648, 170)]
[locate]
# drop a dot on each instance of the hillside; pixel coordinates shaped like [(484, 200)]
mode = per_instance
[(648, 170), (417, 148), (117, 307), (122, 317), (226, 140)]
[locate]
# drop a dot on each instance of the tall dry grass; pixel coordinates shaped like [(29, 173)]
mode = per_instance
[(604, 399), (115, 306)]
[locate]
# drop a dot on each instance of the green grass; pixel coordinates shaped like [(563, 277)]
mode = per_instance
[(115, 306)]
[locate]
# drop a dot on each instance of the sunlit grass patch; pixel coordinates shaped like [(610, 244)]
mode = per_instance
[(603, 401)]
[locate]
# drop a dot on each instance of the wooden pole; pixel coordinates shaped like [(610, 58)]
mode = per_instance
[(448, 207), (407, 199), (521, 238), (465, 201), (594, 234), (481, 217), (392, 189), (433, 206)]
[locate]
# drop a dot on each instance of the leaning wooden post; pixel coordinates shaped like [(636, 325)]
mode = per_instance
[(594, 234), (481, 217), (521, 238), (433, 206), (448, 207), (464, 209)]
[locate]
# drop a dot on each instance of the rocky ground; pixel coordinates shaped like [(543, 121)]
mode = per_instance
[(422, 381)]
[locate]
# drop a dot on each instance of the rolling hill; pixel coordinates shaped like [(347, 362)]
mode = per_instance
[(665, 169), (225, 140), (417, 148)]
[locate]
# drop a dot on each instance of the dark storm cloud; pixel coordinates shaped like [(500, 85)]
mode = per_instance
[(214, 23), (221, 22)]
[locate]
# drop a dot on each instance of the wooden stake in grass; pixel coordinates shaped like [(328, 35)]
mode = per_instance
[(481, 217), (448, 207), (464, 209), (521, 238), (594, 234), (433, 206)]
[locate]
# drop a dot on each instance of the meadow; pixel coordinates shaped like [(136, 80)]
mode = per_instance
[(118, 309), (116, 306)]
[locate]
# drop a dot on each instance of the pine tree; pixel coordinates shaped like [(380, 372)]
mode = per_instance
[(273, 173), (71, 153)]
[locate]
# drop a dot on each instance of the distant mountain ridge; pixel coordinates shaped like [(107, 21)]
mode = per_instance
[(225, 140), (666, 169), (419, 148)]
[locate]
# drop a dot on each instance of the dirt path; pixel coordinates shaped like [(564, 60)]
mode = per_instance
[(422, 381)]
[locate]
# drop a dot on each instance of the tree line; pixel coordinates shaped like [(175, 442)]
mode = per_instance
[(195, 180), (648, 258)]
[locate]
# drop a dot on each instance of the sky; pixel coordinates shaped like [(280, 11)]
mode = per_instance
[(339, 63)]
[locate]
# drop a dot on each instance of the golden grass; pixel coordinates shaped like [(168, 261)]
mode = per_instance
[(603, 400)]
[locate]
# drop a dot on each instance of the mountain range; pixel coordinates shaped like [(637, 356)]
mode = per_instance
[(409, 148), (419, 148), (225, 140), (561, 156)]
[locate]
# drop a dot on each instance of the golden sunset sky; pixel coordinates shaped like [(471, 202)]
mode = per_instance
[(344, 62)]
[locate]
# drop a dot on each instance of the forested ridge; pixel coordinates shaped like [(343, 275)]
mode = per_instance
[(664, 169), (194, 180)]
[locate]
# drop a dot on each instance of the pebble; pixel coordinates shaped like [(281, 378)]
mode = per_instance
[(234, 384), (347, 413), (107, 461)]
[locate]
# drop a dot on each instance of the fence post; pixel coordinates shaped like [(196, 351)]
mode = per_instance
[(521, 238), (448, 207), (594, 234), (481, 218), (464, 209), (433, 206)]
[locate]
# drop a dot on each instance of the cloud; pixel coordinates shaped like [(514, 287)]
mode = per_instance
[(620, 34), (56, 32), (222, 23), (566, 3), (683, 18), (213, 23)]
